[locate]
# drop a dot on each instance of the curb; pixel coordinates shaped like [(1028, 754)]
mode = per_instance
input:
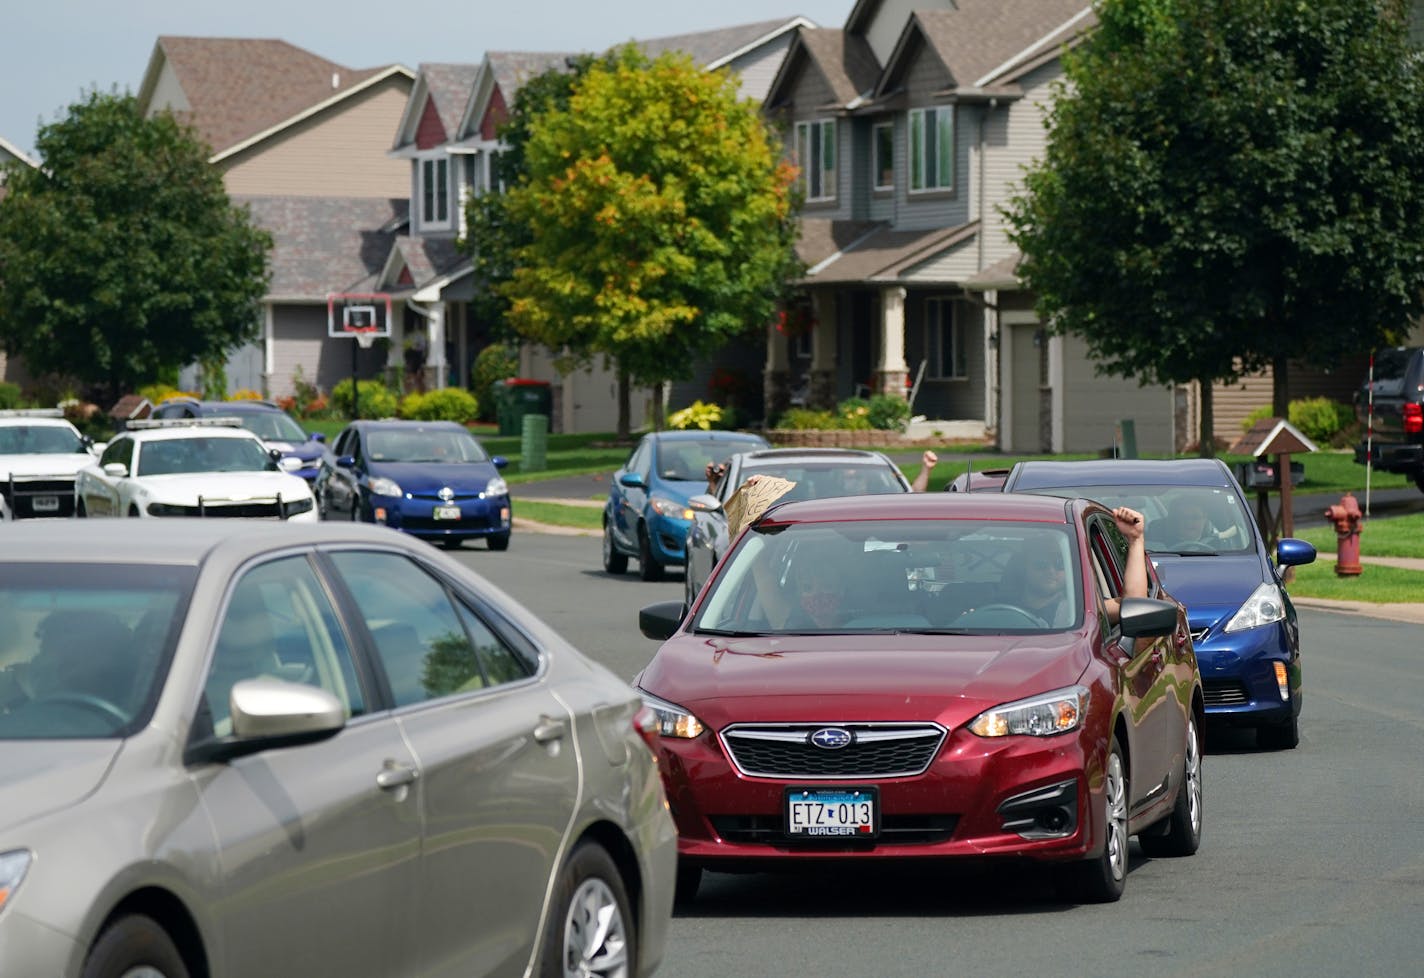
[(1411, 613)]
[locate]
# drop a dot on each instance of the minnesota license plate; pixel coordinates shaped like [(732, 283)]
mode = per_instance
[(45, 504), (447, 512), (824, 812)]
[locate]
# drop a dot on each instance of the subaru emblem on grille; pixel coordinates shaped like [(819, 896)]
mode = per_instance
[(446, 493), (831, 738)]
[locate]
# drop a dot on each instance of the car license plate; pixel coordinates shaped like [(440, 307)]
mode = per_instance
[(447, 512), (813, 812), (45, 504)]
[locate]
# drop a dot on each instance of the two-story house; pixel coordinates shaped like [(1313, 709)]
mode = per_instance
[(910, 127), (11, 371), (448, 136), (302, 141)]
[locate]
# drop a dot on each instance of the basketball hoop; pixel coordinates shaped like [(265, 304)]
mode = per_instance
[(366, 338)]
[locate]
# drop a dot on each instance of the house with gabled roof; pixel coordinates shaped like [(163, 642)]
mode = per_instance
[(12, 372), (910, 127), (301, 140), (449, 136), (10, 153)]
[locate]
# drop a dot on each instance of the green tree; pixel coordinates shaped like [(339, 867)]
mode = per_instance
[(121, 255), (660, 219), (1228, 186)]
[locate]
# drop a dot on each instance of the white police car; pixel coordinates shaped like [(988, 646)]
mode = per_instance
[(40, 452), (207, 467)]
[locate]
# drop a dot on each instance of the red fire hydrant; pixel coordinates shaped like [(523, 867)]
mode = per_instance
[(1346, 516)]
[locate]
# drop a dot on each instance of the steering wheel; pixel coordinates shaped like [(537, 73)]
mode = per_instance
[(96, 703), (1192, 547), (1024, 613)]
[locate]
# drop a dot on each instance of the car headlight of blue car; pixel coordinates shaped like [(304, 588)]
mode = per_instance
[(1264, 606), (495, 487), (381, 486), (669, 508)]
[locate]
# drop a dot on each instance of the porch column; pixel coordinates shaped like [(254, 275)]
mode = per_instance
[(435, 364), (776, 374), (823, 350), (891, 371)]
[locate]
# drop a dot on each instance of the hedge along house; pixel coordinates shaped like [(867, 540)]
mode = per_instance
[(448, 136), (302, 141), (911, 126)]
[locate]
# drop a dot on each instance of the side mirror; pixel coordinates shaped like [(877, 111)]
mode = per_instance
[(289, 463), (346, 462), (1291, 552), (632, 480), (1148, 617), (316, 436), (269, 713), (116, 470), (499, 461), (660, 621), (704, 503)]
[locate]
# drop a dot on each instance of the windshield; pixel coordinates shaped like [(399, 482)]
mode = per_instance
[(423, 445), (686, 460), (958, 576), (823, 479), (1180, 519), (272, 426), (175, 456), (84, 647), (39, 440)]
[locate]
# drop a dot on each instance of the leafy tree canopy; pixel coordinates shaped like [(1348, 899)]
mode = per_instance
[(659, 216), (1227, 185), (121, 255)]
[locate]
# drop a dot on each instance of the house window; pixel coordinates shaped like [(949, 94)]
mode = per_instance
[(816, 156), (883, 139), (435, 192), (932, 148), (946, 348)]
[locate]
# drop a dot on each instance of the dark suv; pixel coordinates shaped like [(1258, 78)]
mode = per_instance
[(267, 421), (1394, 422)]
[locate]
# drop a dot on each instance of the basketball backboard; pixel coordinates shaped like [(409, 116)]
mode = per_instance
[(361, 315)]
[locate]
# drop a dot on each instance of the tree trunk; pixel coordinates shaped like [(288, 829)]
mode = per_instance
[(1280, 386), (659, 412), (1206, 441), (625, 425)]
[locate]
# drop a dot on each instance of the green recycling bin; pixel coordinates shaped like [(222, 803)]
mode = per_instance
[(534, 443), (516, 397)]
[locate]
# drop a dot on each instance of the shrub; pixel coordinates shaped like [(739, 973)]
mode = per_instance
[(445, 404), (246, 394), (157, 393), (376, 400), (805, 419), (696, 415), (1318, 418), (889, 412), (9, 396), (494, 362), (853, 413)]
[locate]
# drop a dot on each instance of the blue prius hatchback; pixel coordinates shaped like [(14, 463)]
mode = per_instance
[(430, 479), (1209, 552)]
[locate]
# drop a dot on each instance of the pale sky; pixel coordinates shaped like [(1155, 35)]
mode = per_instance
[(54, 51)]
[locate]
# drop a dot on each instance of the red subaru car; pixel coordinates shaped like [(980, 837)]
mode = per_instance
[(927, 676)]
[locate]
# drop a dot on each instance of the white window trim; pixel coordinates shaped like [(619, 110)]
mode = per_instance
[(927, 165), (434, 160), (829, 177), (874, 154)]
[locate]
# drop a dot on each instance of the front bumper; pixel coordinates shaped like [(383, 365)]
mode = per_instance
[(667, 536), (416, 515), (1391, 456), (978, 798), (1239, 679)]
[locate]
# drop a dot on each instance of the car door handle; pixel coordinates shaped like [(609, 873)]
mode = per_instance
[(395, 775), (549, 729)]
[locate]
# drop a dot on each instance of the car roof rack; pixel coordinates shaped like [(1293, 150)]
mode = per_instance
[(31, 413), (208, 422)]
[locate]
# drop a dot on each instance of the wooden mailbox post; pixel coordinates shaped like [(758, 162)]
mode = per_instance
[(1278, 437)]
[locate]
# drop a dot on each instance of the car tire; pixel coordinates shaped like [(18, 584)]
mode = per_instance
[(133, 511), (613, 561), (134, 944), (1180, 832), (1102, 878), (499, 541), (689, 879), (590, 901), (1279, 736), (80, 510), (648, 567), (452, 543)]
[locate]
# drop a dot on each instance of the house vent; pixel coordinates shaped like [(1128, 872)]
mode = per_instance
[(335, 80)]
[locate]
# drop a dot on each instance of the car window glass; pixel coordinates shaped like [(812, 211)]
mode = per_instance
[(498, 662), (280, 623), (346, 443), (641, 459), (420, 639), (83, 648)]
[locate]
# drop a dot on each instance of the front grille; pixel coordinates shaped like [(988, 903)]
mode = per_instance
[(23, 496), (271, 510), (467, 522), (876, 750), (767, 830), (1230, 693)]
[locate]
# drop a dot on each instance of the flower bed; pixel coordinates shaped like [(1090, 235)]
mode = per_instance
[(835, 438)]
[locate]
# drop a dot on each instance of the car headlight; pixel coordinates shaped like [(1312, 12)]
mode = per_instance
[(13, 866), (673, 720), (1048, 715), (381, 486), (1265, 605), (290, 509), (666, 507), (495, 487)]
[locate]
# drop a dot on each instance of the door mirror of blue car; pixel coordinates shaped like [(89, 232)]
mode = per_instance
[(346, 462), (316, 436), (632, 480), (1291, 552), (499, 461)]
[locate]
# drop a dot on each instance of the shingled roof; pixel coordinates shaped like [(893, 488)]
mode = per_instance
[(327, 244), (710, 49), (845, 61), (868, 251), (449, 87), (238, 88)]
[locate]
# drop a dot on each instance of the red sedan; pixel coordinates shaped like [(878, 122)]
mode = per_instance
[(924, 676)]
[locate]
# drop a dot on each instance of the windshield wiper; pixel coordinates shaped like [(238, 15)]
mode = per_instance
[(728, 632)]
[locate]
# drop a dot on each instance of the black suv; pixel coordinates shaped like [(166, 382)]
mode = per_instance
[(1397, 440)]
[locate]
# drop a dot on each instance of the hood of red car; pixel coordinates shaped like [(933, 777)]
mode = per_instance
[(856, 677)]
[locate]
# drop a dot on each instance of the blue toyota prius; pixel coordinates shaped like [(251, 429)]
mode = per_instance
[(430, 479), (1209, 552)]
